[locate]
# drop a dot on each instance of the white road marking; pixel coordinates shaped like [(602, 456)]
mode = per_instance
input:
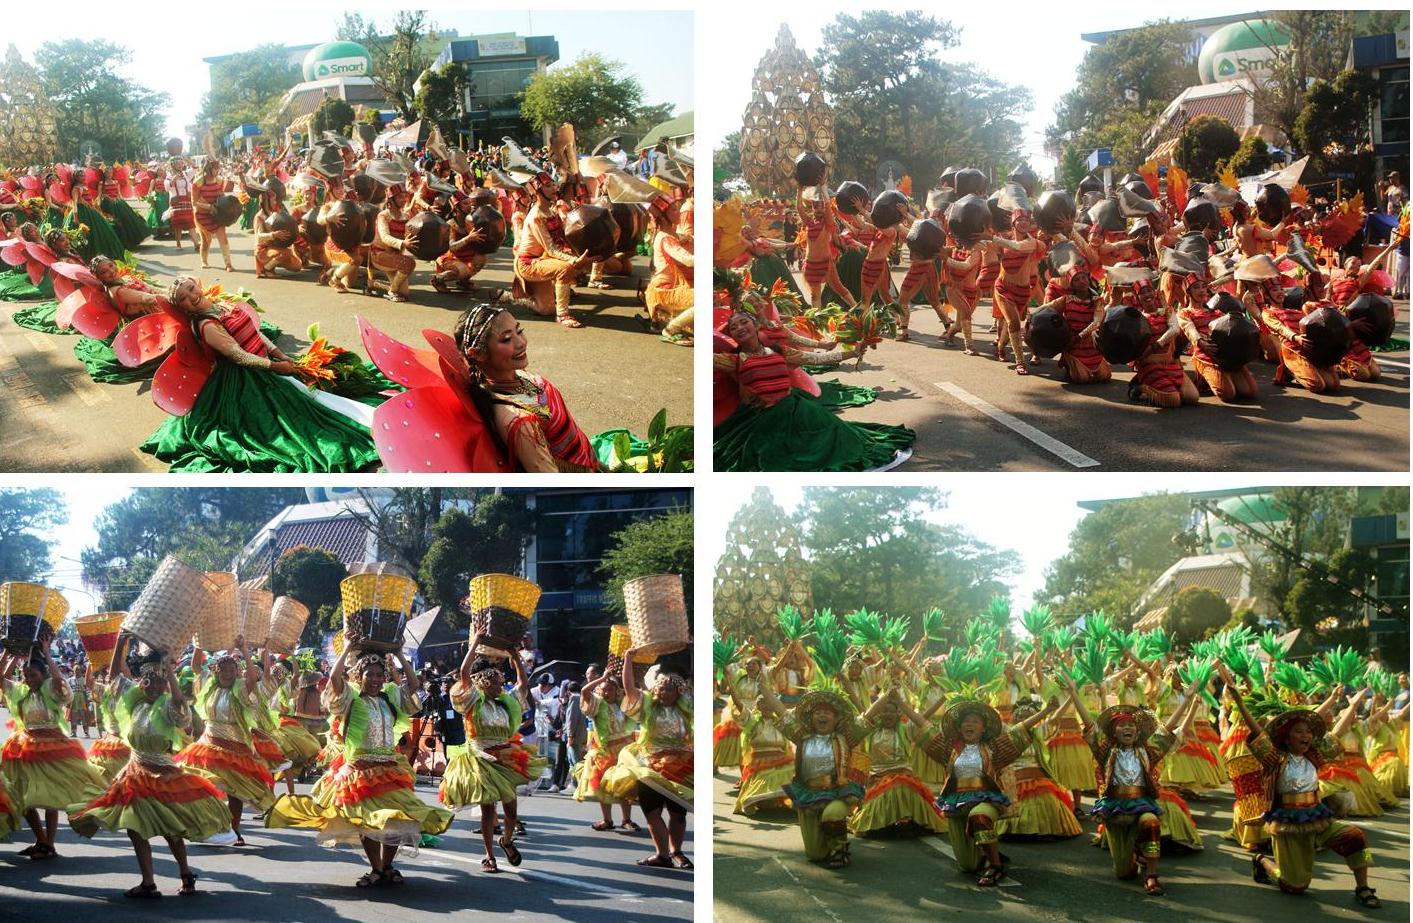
[(1395, 364), (814, 897), (1049, 443), (945, 849)]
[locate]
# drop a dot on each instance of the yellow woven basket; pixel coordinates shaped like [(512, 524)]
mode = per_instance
[(505, 591), (657, 614), (218, 627), (253, 605), (99, 635), (620, 639), (19, 598)]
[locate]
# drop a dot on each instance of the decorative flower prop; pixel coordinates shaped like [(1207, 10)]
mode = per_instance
[(33, 257)]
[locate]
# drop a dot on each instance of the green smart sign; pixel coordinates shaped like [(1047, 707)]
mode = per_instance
[(337, 59), (1241, 49)]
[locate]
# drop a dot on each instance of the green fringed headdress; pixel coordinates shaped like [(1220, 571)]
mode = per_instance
[(1341, 666)]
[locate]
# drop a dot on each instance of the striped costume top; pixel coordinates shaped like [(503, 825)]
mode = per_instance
[(545, 409), (208, 193), (239, 324), (765, 377)]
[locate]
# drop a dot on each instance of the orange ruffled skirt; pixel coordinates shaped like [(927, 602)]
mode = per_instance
[(153, 800), (372, 799), (47, 770), (234, 768)]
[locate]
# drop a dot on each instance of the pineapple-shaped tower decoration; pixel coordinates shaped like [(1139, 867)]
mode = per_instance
[(27, 135), (760, 572), (786, 116)]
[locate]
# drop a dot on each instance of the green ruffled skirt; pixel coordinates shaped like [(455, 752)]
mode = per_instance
[(765, 270), (801, 434), (155, 222), (131, 229), (246, 420), (40, 317), (15, 286), (836, 395), (101, 236), (247, 214)]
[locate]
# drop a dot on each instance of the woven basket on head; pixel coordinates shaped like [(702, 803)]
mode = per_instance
[(253, 607), (501, 608), (620, 639), (614, 667), (287, 618), (657, 614), (99, 634), (29, 613), (375, 609), (165, 614), (218, 627)]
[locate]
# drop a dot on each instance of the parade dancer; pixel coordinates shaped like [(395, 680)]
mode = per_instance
[(1020, 255), (179, 191), (274, 249), (207, 190), (109, 753), (1291, 748), (1194, 321), (1282, 321), (601, 701), (493, 764), (893, 795), (767, 760), (1159, 378), (1081, 362), (389, 250), (43, 768), (1041, 807), (152, 796), (822, 242), (542, 255), (462, 260)]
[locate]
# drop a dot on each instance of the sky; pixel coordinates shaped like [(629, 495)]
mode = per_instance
[(1032, 514), (1035, 45), (656, 46), (86, 498)]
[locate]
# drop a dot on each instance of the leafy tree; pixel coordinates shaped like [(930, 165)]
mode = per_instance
[(1252, 157), (490, 539), (1318, 49), (1071, 168), (1313, 599), (439, 98), (592, 94), (1392, 501), (310, 575), (1204, 144), (879, 549), (726, 159), (1115, 553), (1197, 612), (894, 98), (247, 88), (93, 102), (1316, 524), (1333, 125), (333, 114), (1121, 87), (398, 59), (27, 520), (659, 545)]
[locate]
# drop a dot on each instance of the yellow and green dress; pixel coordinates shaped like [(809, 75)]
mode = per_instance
[(1129, 799), (299, 747), (1042, 806), (372, 794), (1066, 753), (263, 727), (153, 796), (1381, 748), (10, 815), (42, 767), (331, 758), (223, 754), (893, 794), (826, 785), (1244, 771), (494, 762), (609, 732), (1350, 772), (661, 757), (931, 772), (1192, 764), (726, 733), (767, 763), (109, 753)]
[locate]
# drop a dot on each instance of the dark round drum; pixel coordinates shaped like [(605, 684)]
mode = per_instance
[(1202, 215), (970, 181), (370, 221), (1195, 246), (314, 232), (1326, 332), (1123, 335), (344, 222), (809, 169), (1139, 188), (1055, 211), (481, 198), (490, 222), (967, 219), (1371, 319), (1046, 333), (851, 197), (1107, 215), (283, 226), (427, 236), (888, 209), (1090, 183), (1025, 177), (1272, 203), (591, 228), (1000, 217), (1235, 339), (369, 189), (226, 210), (925, 239), (632, 223)]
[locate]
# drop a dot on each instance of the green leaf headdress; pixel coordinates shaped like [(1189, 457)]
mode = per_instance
[(1152, 645), (1037, 620), (792, 624), (1091, 662), (932, 624), (724, 652), (1341, 666), (1292, 677), (1199, 670)]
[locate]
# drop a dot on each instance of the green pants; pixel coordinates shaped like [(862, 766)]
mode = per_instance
[(1131, 838), (824, 839), (970, 833), (1295, 853)]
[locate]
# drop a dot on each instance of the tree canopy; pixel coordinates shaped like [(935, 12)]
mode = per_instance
[(593, 94), (439, 97), (490, 539), (895, 99), (660, 545), (1205, 145), (398, 59), (333, 114), (28, 517), (247, 88), (93, 103)]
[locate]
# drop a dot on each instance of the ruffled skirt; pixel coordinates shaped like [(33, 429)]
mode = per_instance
[(300, 748), (40, 318), (1192, 765), (897, 798), (1071, 762), (364, 799), (109, 755), (15, 286), (1042, 808), (668, 773), (726, 745), (234, 768), (588, 776), (800, 434), (47, 770), (155, 801), (472, 779), (761, 782)]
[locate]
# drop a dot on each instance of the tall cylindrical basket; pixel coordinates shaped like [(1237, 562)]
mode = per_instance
[(99, 635), (165, 614), (657, 614), (217, 628), (501, 608), (287, 619), (30, 613)]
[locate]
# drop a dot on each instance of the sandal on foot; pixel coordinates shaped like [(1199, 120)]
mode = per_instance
[(488, 864), (440, 285), (370, 879), (569, 320), (903, 336), (1367, 897), (28, 850), (656, 862), (507, 846), (1021, 370), (188, 884), (1258, 871), (146, 892), (990, 876), (44, 851), (629, 825), (393, 876), (1152, 886), (680, 860), (602, 825)]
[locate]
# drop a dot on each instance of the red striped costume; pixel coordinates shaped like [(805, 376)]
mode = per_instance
[(766, 377), (183, 216), (208, 193), (239, 324), (546, 409), (1159, 372), (1083, 356)]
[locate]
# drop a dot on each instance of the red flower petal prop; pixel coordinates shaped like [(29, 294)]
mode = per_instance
[(14, 253), (433, 427), (147, 338), (179, 379)]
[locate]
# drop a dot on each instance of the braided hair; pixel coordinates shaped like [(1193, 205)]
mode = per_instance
[(470, 334)]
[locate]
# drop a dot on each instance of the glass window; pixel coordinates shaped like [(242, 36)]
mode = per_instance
[(1393, 105)]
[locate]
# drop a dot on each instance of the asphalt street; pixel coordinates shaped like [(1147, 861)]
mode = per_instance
[(569, 873), (972, 413), (55, 418), (761, 874)]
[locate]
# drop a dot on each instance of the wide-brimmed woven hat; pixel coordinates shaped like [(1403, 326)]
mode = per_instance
[(990, 718), (1278, 726), (1141, 716), (816, 698)]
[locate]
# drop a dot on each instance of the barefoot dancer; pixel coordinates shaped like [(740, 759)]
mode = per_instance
[(1020, 259), (821, 247)]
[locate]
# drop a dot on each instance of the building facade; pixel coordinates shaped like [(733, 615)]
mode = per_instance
[(498, 68)]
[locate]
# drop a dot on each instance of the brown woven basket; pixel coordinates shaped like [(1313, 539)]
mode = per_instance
[(501, 608), (165, 614), (218, 627), (99, 634), (657, 614), (287, 618), (614, 667), (253, 605), (620, 639)]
